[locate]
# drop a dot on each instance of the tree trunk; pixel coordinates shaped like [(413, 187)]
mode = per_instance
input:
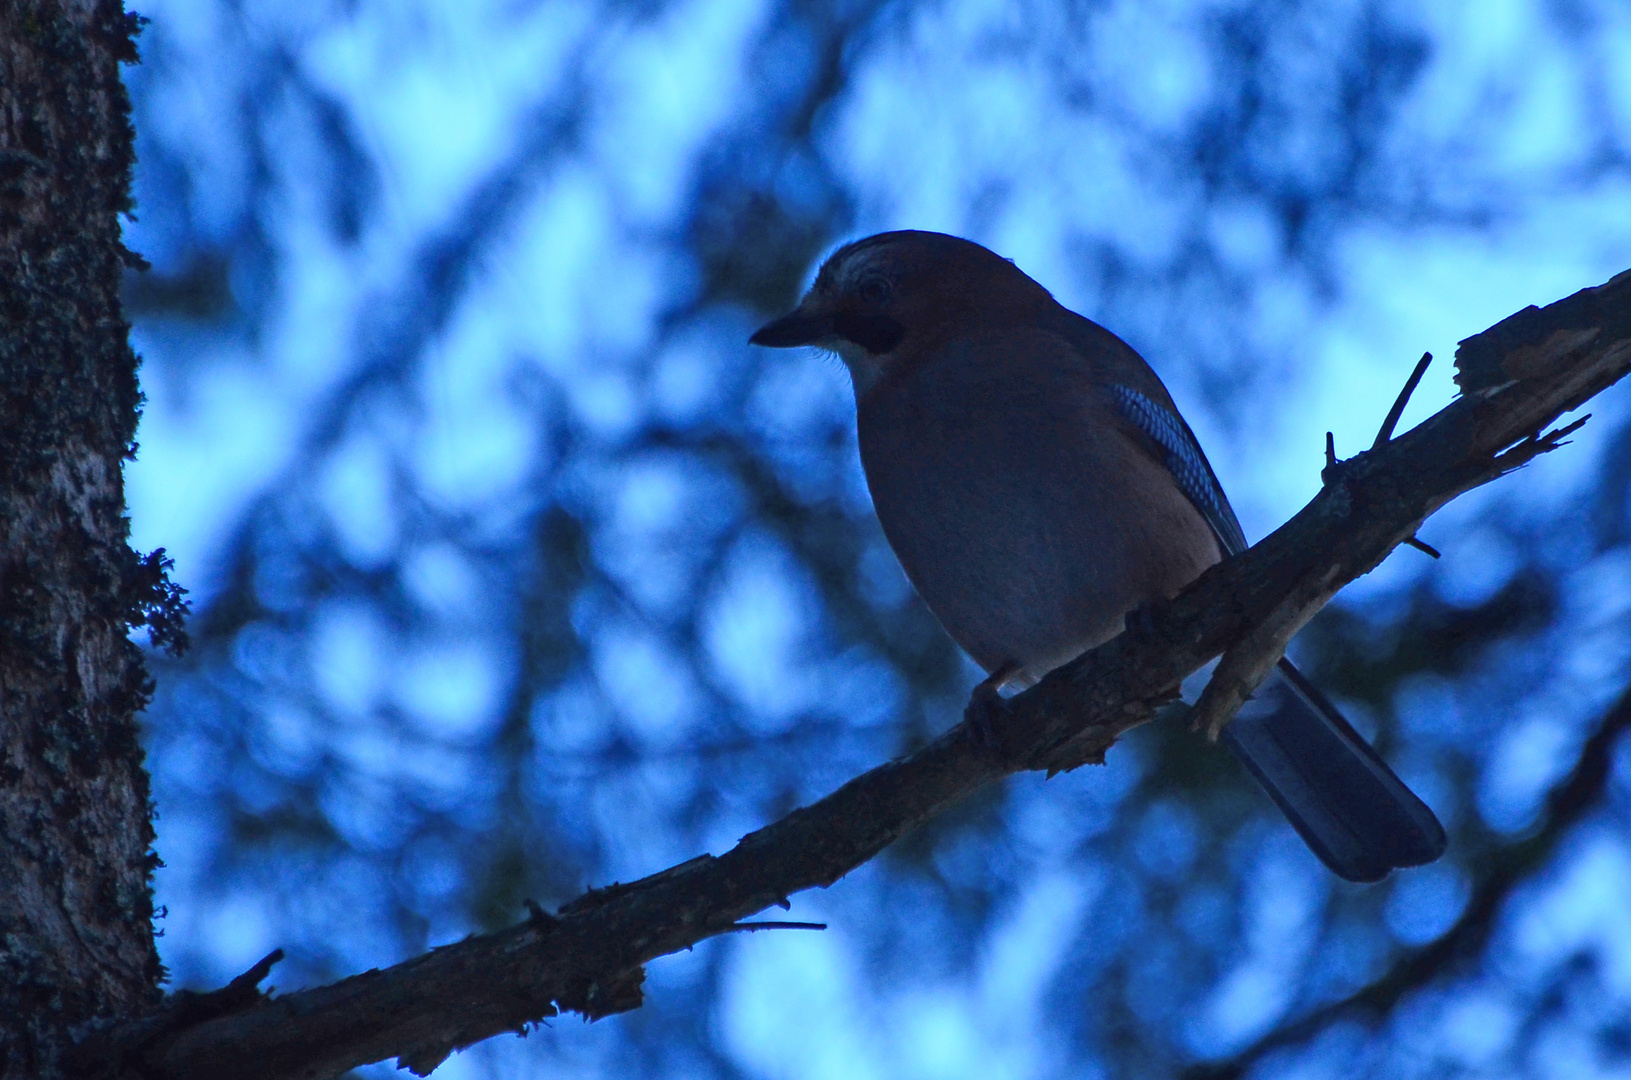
[(76, 939)]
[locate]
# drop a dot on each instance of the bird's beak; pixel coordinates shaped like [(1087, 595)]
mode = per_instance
[(797, 327)]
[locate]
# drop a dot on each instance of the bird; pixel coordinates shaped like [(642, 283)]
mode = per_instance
[(1038, 484)]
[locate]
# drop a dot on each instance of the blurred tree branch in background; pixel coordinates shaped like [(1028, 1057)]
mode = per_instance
[(1517, 378), (1581, 791)]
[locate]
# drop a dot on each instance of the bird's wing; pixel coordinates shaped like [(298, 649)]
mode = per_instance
[(1181, 454)]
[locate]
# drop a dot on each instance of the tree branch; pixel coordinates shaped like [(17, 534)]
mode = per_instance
[(1517, 378)]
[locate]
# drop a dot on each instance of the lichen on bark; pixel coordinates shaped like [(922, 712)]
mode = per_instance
[(76, 940)]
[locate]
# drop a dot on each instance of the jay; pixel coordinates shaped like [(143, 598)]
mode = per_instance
[(1037, 483)]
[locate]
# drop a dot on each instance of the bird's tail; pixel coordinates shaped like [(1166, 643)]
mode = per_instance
[(1336, 791)]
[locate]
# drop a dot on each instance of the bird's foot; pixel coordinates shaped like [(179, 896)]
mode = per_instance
[(986, 708), (1140, 620)]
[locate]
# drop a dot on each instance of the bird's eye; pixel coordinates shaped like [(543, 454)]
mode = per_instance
[(874, 290)]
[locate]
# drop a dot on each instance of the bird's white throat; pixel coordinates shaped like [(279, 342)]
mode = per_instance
[(865, 368)]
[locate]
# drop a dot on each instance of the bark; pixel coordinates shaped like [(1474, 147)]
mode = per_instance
[(1517, 378), (76, 939)]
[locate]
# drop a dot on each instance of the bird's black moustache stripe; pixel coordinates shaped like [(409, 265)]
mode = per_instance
[(874, 333)]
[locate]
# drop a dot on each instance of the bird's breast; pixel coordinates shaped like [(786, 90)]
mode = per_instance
[(1025, 516)]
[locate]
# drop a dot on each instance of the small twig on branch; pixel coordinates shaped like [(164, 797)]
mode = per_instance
[(1423, 547), (183, 1009), (1402, 400), (244, 989), (1534, 446), (774, 926), (1392, 421), (1516, 378)]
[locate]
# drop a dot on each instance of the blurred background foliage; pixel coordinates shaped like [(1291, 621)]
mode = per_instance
[(517, 571)]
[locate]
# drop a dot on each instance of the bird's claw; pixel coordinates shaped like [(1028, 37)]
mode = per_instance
[(986, 709), (1141, 619)]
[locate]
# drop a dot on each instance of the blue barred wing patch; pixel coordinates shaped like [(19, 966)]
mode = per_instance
[(1184, 461)]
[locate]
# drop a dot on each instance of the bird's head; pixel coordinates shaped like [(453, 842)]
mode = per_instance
[(890, 300)]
